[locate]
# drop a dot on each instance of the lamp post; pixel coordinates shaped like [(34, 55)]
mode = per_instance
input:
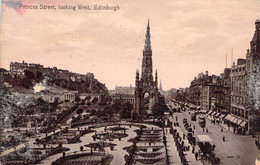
[(258, 127)]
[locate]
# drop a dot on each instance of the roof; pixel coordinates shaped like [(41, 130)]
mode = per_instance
[(204, 138), (124, 90)]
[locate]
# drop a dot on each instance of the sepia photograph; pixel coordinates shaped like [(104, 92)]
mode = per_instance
[(129, 82)]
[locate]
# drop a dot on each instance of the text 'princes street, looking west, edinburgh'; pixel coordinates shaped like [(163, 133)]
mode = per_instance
[(69, 7)]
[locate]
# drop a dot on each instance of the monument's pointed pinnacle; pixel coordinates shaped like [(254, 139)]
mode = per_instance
[(147, 47)]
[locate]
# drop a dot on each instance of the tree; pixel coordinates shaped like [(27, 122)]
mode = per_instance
[(83, 101), (28, 74), (126, 109), (79, 111), (77, 98), (159, 109), (93, 112), (40, 101), (39, 75), (87, 97), (95, 100), (81, 148)]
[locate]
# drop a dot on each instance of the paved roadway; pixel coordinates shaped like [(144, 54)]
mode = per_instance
[(236, 150)]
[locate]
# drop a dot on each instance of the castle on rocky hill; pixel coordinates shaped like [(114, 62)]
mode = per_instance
[(17, 68), (63, 78)]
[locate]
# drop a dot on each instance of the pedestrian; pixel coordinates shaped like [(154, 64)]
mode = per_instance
[(194, 127), (193, 149), (221, 129), (203, 129), (196, 155), (204, 154), (224, 139), (213, 147), (207, 130)]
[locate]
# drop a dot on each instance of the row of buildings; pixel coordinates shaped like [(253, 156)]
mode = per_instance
[(235, 91), (126, 93)]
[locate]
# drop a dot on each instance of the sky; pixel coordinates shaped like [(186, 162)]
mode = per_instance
[(187, 37), (0, 10)]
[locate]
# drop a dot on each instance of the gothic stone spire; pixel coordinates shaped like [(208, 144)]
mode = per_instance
[(147, 46), (147, 64)]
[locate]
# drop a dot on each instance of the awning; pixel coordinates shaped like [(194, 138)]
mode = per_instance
[(203, 111), (228, 117), (221, 116), (235, 120), (239, 121), (213, 113), (243, 124), (232, 119), (204, 138), (217, 114)]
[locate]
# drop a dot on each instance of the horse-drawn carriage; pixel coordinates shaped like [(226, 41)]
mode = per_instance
[(207, 149)]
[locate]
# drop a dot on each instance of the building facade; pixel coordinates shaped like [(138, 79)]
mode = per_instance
[(207, 92), (227, 89), (253, 79), (124, 93), (244, 78), (65, 96), (196, 90), (238, 97)]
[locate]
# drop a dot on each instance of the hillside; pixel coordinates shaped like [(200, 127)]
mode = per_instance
[(25, 82)]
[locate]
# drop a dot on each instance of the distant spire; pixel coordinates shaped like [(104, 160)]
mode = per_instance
[(137, 78), (147, 46)]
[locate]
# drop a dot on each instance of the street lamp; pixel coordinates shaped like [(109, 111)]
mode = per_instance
[(258, 130)]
